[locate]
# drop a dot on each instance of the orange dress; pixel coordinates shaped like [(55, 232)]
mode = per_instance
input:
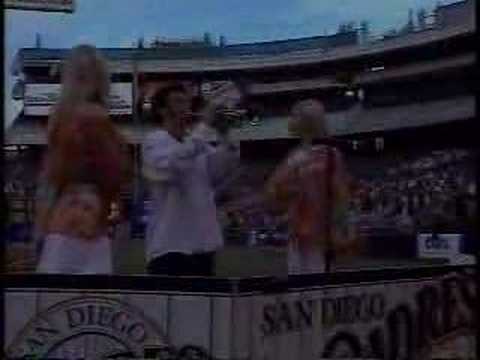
[(312, 186)]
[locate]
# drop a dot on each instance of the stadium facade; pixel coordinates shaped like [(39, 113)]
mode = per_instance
[(387, 73), (418, 83)]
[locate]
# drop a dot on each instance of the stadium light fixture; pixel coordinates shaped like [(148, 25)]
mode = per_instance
[(147, 106), (54, 70), (361, 94), (379, 144)]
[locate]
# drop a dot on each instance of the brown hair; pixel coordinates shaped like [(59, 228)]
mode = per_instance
[(160, 98)]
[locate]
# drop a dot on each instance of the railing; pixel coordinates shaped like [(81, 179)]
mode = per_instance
[(355, 120)]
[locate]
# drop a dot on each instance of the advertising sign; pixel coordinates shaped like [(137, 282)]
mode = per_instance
[(392, 320), (439, 245), (121, 99), (39, 98), (41, 5), (422, 318)]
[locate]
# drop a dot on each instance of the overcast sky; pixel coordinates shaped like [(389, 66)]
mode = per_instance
[(114, 23)]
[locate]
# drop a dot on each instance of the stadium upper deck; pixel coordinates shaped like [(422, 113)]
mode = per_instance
[(384, 73)]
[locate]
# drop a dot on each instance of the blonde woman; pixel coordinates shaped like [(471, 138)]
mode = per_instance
[(84, 79), (87, 168)]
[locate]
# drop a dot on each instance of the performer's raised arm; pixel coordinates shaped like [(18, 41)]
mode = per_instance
[(166, 160), (216, 118)]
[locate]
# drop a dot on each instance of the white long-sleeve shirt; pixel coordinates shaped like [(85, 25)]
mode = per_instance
[(182, 177)]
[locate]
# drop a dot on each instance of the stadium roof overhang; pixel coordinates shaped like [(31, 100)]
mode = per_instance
[(136, 62), (308, 57)]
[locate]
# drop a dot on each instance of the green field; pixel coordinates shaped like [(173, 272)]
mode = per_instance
[(230, 262), (259, 261)]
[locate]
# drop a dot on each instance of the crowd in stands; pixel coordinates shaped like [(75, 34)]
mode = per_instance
[(431, 192), (403, 195)]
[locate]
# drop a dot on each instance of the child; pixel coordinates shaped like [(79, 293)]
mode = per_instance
[(77, 242)]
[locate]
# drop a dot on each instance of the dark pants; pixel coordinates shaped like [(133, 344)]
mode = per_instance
[(178, 264)]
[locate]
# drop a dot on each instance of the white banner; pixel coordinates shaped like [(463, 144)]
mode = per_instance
[(443, 246), (41, 5), (424, 318), (40, 97), (409, 319), (121, 99)]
